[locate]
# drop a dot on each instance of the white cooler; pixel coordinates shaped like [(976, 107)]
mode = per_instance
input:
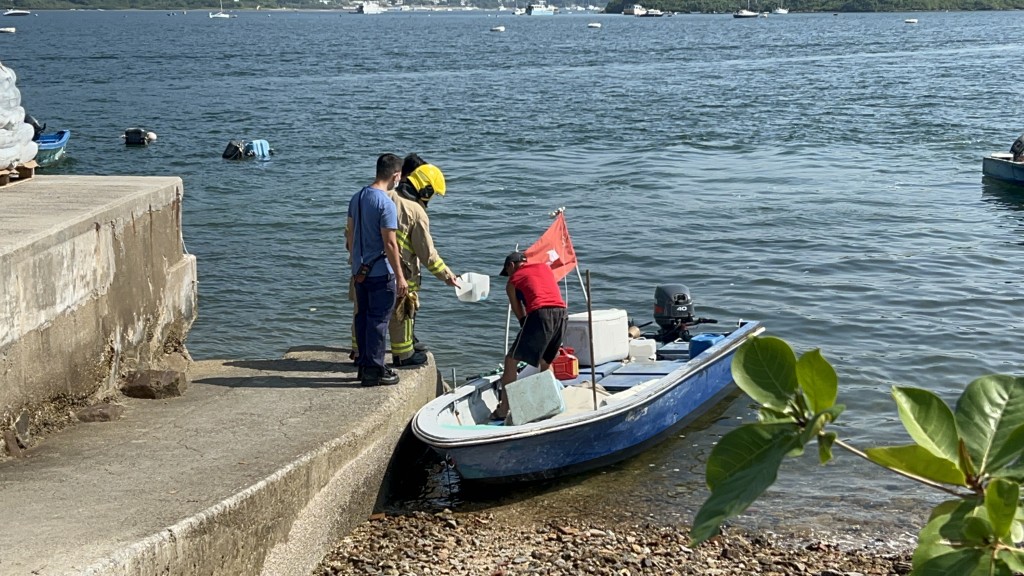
[(611, 336)]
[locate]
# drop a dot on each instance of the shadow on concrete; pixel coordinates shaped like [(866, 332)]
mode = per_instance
[(318, 348), (282, 382), (292, 365)]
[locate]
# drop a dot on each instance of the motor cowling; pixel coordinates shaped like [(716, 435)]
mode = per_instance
[(1017, 149), (673, 307)]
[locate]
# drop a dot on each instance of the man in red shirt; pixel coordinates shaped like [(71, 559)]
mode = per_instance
[(537, 303)]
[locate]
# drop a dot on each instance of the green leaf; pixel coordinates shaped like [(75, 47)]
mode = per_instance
[(964, 458), (1014, 559), (1016, 532), (978, 531), (1011, 449), (960, 562), (732, 495), (914, 459), (746, 447), (987, 413), (825, 442), (818, 421), (818, 380), (765, 368), (770, 416), (944, 532), (1001, 499), (928, 421), (1014, 472)]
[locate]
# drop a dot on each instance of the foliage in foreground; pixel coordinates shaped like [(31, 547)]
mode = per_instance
[(973, 453)]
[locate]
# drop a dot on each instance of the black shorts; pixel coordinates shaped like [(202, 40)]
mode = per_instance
[(540, 336)]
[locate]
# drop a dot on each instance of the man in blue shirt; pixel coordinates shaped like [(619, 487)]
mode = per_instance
[(376, 270)]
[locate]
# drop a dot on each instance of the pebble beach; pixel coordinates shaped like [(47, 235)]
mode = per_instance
[(501, 544)]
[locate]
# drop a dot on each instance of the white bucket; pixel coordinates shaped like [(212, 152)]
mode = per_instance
[(473, 287), (643, 349)]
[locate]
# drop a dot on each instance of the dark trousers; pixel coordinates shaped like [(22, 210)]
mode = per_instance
[(375, 297)]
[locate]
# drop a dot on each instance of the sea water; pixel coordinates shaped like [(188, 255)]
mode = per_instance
[(820, 173)]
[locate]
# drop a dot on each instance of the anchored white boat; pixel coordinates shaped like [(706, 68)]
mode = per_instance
[(780, 10), (221, 14), (369, 7), (16, 12)]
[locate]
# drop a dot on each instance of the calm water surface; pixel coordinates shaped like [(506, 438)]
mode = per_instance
[(820, 173)]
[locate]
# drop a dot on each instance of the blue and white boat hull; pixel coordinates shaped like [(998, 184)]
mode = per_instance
[(455, 424)]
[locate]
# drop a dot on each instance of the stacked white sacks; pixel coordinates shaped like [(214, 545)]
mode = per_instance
[(16, 145)]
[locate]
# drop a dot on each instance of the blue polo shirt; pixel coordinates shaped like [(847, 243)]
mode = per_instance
[(371, 210)]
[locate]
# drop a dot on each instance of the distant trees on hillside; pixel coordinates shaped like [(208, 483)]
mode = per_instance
[(727, 6)]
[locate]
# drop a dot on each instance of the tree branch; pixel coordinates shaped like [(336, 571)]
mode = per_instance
[(907, 475)]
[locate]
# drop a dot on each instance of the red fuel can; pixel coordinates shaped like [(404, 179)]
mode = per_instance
[(566, 366)]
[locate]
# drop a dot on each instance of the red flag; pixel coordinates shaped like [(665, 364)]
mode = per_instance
[(555, 249)]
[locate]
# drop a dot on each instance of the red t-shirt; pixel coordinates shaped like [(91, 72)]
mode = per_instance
[(537, 284)]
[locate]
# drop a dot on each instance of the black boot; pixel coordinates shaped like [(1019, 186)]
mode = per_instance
[(377, 376)]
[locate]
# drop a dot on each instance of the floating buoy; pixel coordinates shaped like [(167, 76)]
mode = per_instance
[(594, 25), (498, 29)]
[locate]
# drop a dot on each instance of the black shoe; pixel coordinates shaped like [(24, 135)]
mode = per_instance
[(378, 377), (417, 345), (417, 359)]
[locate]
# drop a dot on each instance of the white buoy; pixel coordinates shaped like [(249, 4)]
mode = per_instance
[(594, 25), (498, 29), (151, 136)]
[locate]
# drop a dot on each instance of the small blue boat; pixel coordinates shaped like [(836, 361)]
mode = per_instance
[(637, 404), (52, 147)]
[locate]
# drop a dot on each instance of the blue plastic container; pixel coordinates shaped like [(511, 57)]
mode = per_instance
[(702, 342)]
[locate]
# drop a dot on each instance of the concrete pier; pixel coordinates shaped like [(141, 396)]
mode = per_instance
[(257, 470), (94, 284)]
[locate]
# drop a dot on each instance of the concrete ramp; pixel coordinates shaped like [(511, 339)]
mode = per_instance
[(258, 469)]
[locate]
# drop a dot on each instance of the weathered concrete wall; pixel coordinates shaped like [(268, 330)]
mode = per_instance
[(94, 283)]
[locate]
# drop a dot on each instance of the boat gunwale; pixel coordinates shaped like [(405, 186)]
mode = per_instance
[(503, 434)]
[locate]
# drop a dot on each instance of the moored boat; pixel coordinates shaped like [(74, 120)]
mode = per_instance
[(52, 147), (1006, 166), (8, 30), (1000, 165), (637, 404), (743, 13), (540, 9), (369, 7), (16, 12), (635, 390)]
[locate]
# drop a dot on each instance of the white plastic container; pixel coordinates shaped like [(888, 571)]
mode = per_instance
[(535, 398), (643, 349), (611, 336), (473, 287)]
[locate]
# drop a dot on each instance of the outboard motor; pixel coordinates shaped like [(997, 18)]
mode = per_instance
[(136, 137), (673, 312), (1017, 149), (235, 150), (35, 126)]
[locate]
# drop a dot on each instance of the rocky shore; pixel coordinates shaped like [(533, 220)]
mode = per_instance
[(486, 544)]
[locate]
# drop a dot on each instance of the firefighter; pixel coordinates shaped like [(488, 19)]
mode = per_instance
[(419, 183)]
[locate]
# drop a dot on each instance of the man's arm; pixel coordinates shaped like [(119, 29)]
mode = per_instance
[(513, 300), (391, 250), (350, 225)]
